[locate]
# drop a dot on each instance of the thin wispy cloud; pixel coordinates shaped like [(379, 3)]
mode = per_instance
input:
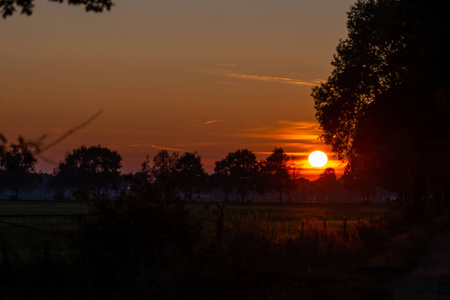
[(301, 125), (213, 121), (157, 147), (295, 154), (281, 136), (228, 65), (271, 79), (242, 76)]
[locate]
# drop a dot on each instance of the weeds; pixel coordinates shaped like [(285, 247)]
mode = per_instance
[(140, 249)]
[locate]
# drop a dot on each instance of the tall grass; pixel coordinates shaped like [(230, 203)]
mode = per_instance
[(138, 249)]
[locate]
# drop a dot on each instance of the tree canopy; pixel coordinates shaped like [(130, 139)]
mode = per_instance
[(90, 170), (190, 176), (276, 170), (17, 165), (386, 102), (237, 170), (9, 7)]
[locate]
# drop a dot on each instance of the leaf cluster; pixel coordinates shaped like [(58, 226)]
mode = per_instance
[(10, 7)]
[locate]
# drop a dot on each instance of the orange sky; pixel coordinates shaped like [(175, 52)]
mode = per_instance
[(207, 76)]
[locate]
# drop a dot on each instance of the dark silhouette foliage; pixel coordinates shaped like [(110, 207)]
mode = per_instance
[(163, 170), (9, 7), (190, 177), (17, 165), (276, 170), (386, 104), (237, 170), (89, 170)]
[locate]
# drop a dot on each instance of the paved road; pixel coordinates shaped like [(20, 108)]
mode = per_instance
[(430, 279)]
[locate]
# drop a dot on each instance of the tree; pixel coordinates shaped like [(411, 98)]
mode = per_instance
[(276, 168), (9, 7), (163, 171), (388, 97), (90, 170), (239, 168), (17, 165), (358, 177), (221, 177), (190, 176), (327, 182)]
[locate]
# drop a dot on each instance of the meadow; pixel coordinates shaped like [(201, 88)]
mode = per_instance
[(274, 215), (265, 252)]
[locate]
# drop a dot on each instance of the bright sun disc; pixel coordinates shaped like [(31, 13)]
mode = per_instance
[(317, 159)]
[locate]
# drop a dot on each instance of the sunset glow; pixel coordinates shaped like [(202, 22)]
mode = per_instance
[(317, 159), (175, 78)]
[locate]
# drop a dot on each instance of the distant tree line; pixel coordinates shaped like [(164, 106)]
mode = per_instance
[(90, 173)]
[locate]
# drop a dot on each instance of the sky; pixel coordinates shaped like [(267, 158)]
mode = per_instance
[(210, 76)]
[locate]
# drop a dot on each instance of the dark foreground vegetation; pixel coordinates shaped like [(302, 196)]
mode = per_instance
[(142, 248)]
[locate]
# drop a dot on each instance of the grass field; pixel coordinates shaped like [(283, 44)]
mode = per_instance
[(287, 218), (41, 207), (278, 217), (331, 261)]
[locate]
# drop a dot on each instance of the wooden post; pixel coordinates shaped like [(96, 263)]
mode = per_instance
[(359, 222), (345, 225), (324, 225)]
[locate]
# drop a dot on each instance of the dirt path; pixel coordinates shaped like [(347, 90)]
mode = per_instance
[(430, 279)]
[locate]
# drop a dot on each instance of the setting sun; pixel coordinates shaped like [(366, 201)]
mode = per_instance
[(317, 159)]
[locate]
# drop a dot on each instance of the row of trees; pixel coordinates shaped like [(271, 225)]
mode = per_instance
[(385, 107), (93, 172)]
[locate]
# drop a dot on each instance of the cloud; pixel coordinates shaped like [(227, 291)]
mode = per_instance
[(213, 121), (281, 136), (271, 79), (156, 147), (295, 154), (284, 131), (300, 125), (286, 80), (227, 65)]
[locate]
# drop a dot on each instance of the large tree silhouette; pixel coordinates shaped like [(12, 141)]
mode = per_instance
[(17, 165), (89, 170), (238, 170), (275, 167), (387, 99), (190, 176), (9, 7), (163, 171)]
